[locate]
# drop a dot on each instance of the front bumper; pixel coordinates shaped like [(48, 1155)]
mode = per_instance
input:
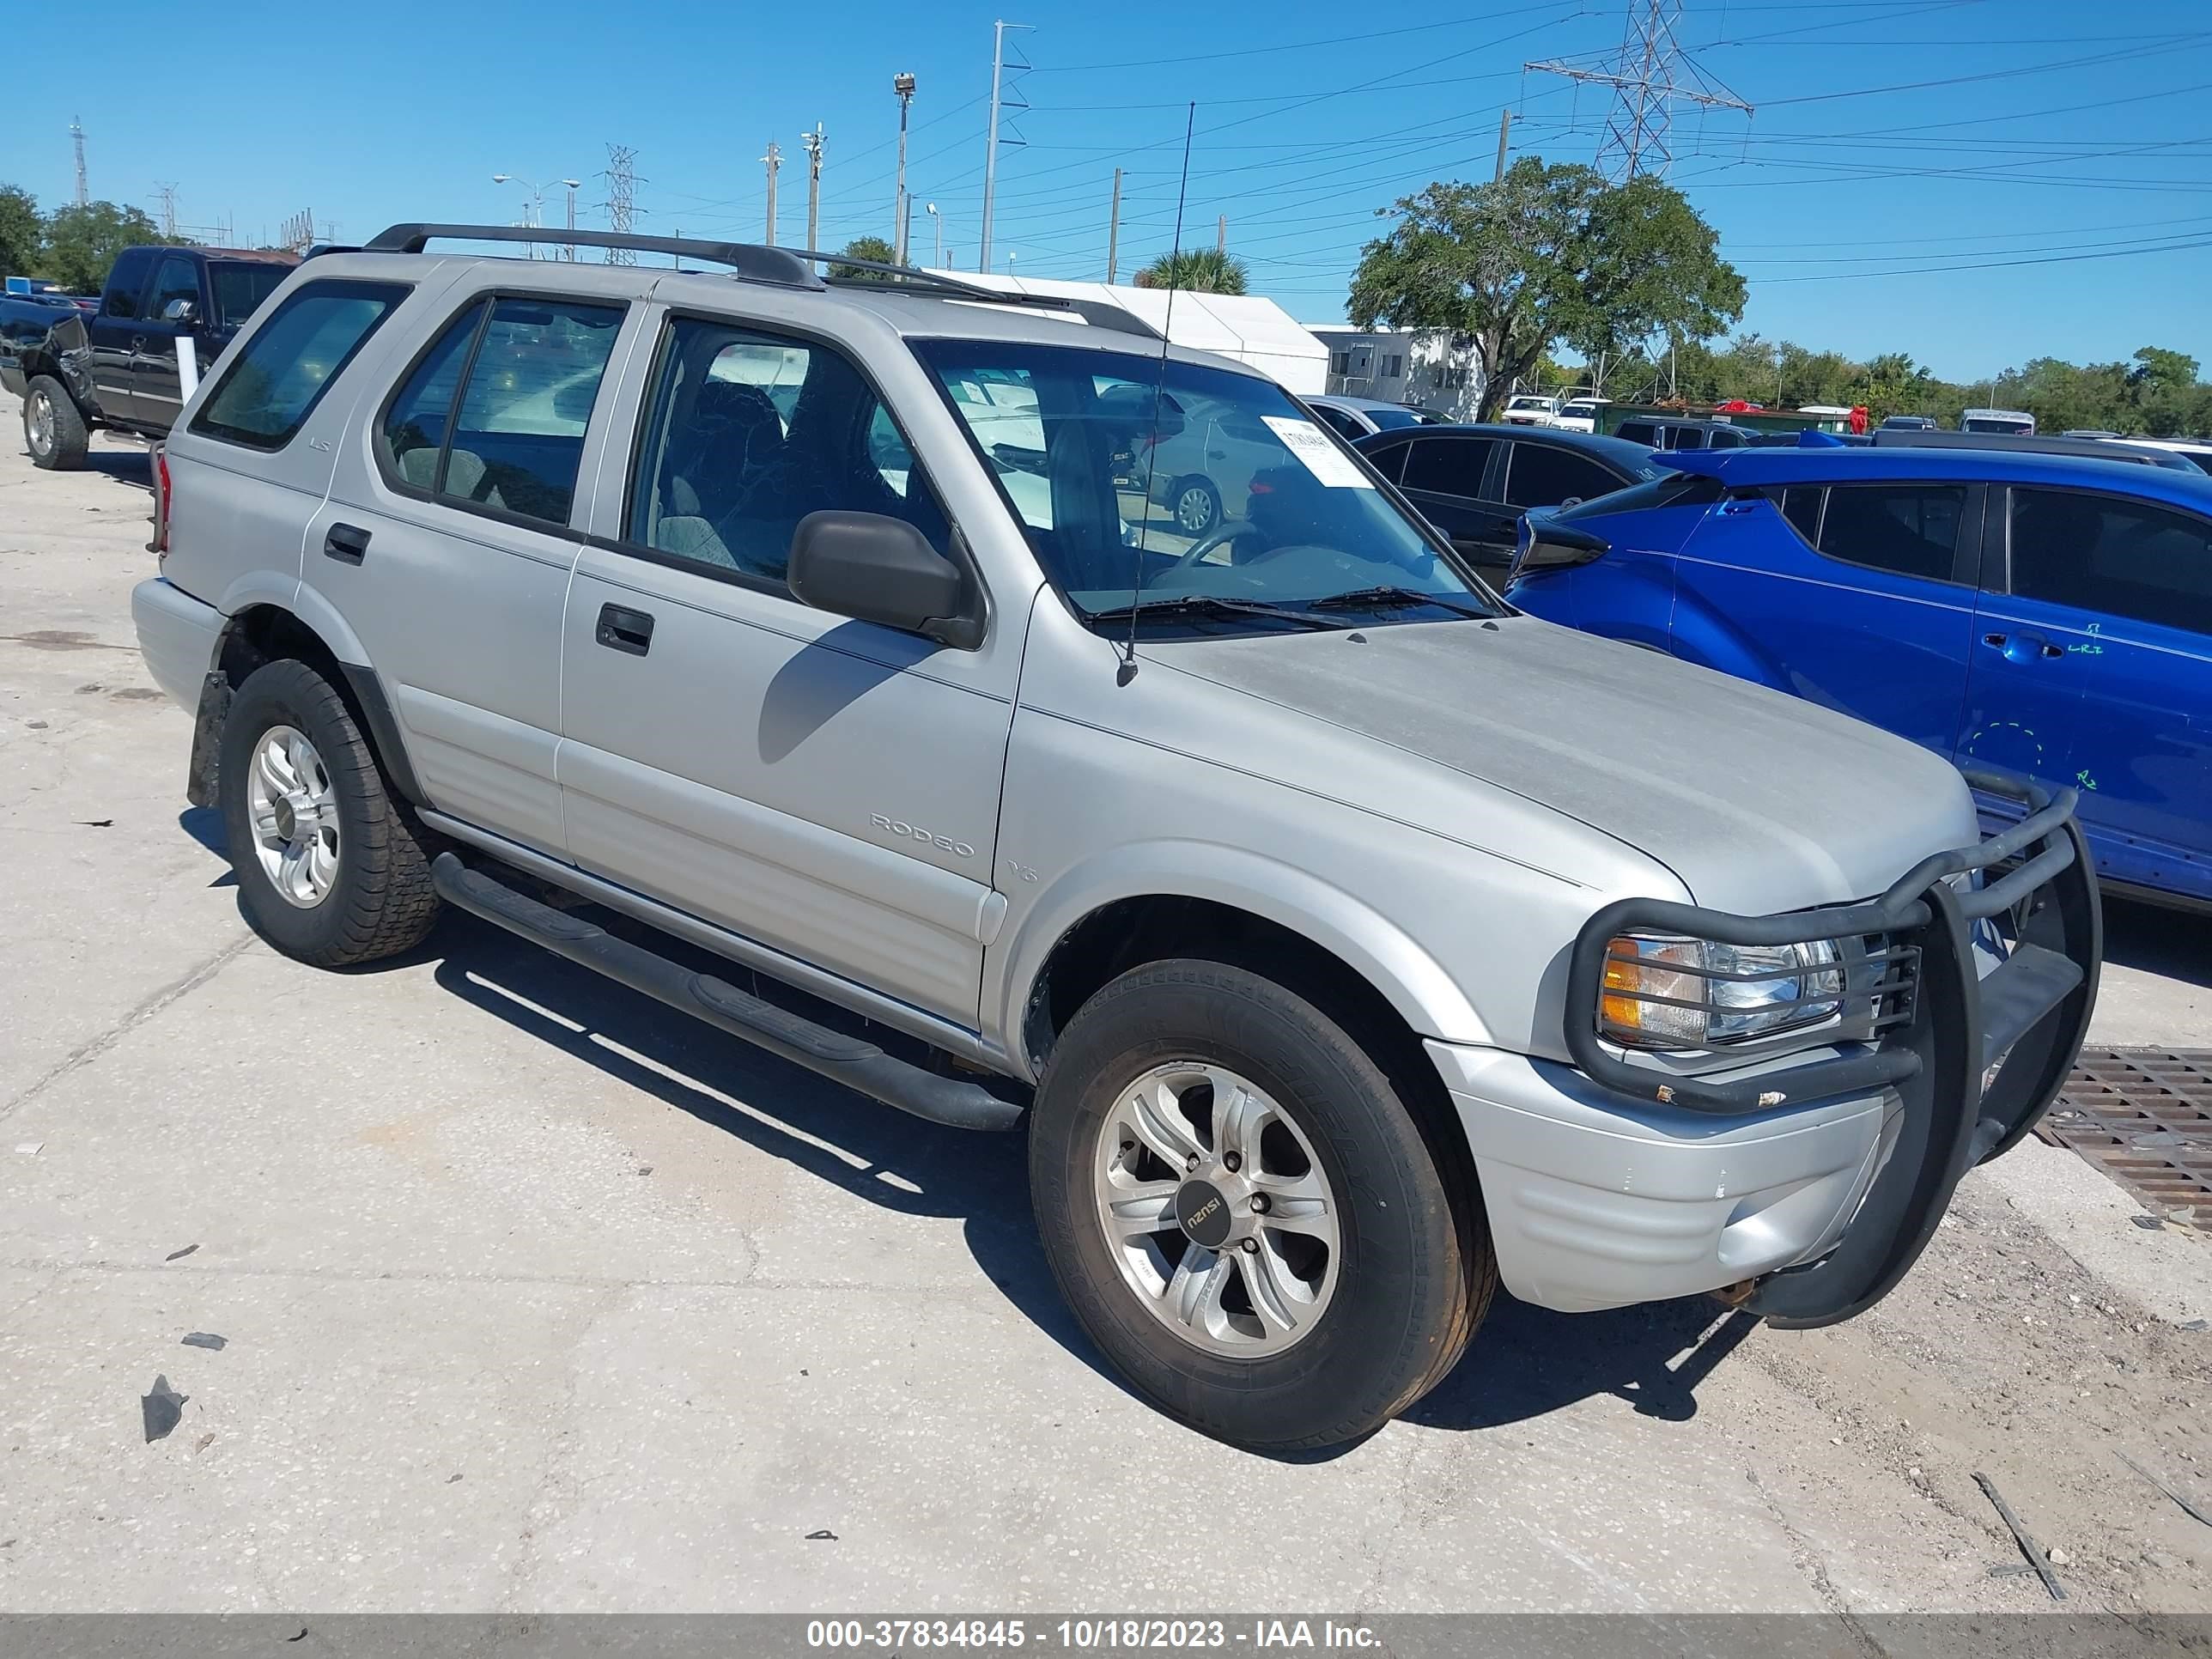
[(1813, 1181)]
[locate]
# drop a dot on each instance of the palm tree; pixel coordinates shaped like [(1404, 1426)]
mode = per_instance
[(1195, 270)]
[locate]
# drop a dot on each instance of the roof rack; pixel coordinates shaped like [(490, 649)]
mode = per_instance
[(754, 263)]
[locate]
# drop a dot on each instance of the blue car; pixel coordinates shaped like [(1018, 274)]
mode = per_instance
[(2038, 614)]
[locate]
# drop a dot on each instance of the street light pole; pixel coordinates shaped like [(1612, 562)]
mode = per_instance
[(533, 213), (903, 84), (937, 234), (569, 252)]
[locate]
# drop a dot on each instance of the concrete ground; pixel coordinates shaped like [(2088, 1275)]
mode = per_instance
[(537, 1297)]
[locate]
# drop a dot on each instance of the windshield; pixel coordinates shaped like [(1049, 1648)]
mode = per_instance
[(1237, 507), (1531, 402), (2019, 427), (240, 289)]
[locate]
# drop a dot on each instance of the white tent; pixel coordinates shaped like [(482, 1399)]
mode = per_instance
[(1245, 326)]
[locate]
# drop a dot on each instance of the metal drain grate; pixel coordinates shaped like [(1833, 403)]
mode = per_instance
[(2144, 1116)]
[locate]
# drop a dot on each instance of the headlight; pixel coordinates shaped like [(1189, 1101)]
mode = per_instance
[(1664, 992)]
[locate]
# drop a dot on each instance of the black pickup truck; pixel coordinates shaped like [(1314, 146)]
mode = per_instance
[(115, 365)]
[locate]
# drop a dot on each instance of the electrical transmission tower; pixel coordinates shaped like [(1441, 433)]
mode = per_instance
[(1650, 74), (167, 195), (76, 136), (622, 199), (1007, 101)]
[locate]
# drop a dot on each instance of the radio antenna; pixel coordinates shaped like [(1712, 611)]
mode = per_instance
[(1127, 669)]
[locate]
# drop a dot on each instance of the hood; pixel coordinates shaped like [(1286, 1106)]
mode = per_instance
[(1755, 800)]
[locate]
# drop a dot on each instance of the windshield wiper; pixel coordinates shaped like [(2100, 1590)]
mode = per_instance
[(1388, 598), (1211, 605)]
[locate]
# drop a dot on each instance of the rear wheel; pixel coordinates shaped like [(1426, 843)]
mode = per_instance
[(330, 868), (53, 431), (1244, 1215)]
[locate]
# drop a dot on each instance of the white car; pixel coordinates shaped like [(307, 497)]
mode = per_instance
[(1580, 414), (2198, 450), (1529, 410)]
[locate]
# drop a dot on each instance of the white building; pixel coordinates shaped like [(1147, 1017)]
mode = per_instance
[(1417, 366), (1241, 326)]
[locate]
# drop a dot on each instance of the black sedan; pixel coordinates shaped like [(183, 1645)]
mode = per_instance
[(1474, 482)]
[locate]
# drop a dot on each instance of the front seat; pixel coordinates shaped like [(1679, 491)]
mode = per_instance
[(732, 437)]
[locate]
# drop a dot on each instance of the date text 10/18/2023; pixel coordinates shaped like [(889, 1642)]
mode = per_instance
[(1086, 1635)]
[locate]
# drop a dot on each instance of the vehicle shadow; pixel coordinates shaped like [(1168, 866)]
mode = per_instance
[(134, 467), (1524, 1363), (2157, 940)]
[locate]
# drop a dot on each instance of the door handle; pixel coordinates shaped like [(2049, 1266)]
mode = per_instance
[(2023, 647), (623, 630), (347, 544), (1736, 507)]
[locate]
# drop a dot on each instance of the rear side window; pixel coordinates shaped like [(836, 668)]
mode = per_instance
[(274, 384), (1800, 505), (1542, 476), (1908, 530), (1639, 432), (1449, 465), (2120, 558), (494, 415), (240, 288), (126, 283)]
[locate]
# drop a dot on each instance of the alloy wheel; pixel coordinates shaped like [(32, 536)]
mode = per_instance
[(1217, 1210), (293, 811)]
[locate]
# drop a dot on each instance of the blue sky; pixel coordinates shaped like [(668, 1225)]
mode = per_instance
[(1896, 143)]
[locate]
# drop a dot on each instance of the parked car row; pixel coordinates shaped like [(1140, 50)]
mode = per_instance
[(2046, 615), (116, 365)]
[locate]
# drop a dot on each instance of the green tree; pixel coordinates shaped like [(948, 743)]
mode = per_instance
[(21, 231), (873, 248), (1195, 270), (81, 242), (1548, 253)]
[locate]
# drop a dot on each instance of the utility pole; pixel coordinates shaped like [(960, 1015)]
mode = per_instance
[(1114, 228), (812, 141), (1649, 74), (901, 209), (569, 249), (1001, 96), (167, 194), (1505, 134), (76, 136), (1221, 236), (774, 160)]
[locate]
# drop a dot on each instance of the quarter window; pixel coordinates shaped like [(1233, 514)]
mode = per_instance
[(1908, 530), (2120, 558), (746, 434), (527, 373), (1800, 505), (1544, 477), (1448, 466), (1389, 459), (275, 382)]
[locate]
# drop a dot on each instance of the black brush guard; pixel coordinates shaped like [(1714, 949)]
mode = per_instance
[(1943, 1034)]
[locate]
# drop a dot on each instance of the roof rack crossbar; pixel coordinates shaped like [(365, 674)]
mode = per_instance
[(1099, 313), (748, 260)]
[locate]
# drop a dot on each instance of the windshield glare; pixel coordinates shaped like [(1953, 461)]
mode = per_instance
[(1237, 496)]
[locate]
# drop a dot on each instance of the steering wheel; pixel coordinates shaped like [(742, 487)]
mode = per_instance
[(1228, 530)]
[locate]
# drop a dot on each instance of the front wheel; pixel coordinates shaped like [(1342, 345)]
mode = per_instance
[(53, 431), (1244, 1213)]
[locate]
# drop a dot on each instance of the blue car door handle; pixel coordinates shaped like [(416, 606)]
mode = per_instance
[(2023, 647)]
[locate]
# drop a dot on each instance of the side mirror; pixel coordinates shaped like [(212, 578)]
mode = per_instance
[(873, 568), (180, 311), (1542, 543)]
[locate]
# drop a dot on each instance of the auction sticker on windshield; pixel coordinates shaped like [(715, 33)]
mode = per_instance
[(1316, 454)]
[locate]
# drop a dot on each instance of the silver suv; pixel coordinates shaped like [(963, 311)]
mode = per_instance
[(1344, 942)]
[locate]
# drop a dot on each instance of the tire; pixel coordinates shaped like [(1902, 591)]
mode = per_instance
[(377, 899), (1196, 505), (53, 431), (1411, 1259)]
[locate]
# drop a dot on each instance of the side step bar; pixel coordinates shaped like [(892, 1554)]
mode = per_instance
[(857, 1064)]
